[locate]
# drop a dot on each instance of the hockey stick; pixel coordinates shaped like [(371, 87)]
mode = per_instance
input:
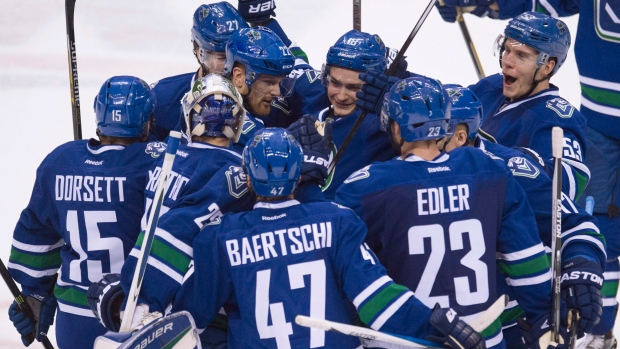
[(470, 43), (390, 71), (21, 302), (149, 234), (478, 324), (589, 204), (73, 73), (362, 332), (473, 54), (357, 15), (557, 139)]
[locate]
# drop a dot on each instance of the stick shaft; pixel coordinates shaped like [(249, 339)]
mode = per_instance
[(149, 234), (557, 139), (473, 54), (357, 15), (73, 72)]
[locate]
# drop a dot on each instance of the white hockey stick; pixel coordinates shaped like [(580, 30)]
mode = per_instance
[(362, 332), (557, 140), (480, 323), (149, 234)]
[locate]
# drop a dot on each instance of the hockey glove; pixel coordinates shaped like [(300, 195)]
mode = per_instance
[(455, 331), (581, 285), (449, 13), (105, 299), (539, 336), (43, 309), (375, 86), (256, 10), (317, 145)]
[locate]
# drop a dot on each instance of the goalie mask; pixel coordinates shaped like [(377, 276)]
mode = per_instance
[(213, 108)]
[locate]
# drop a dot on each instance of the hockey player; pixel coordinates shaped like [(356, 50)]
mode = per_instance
[(583, 247), (439, 197), (207, 182), (284, 258), (258, 62), (354, 52), (597, 38), (84, 214), (213, 24)]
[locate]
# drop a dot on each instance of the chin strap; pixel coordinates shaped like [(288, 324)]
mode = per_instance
[(534, 85)]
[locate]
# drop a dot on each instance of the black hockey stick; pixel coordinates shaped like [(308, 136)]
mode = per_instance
[(557, 140), (73, 73), (390, 72), (357, 15), (21, 302), (473, 54), (470, 44)]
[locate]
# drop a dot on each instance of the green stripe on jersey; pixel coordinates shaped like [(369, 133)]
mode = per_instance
[(610, 288), (71, 295), (377, 304), (492, 330), (511, 315), (166, 253), (601, 96), (36, 261), (531, 267)]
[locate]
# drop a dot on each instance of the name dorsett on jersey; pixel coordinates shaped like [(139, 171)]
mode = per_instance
[(273, 244), (452, 198), (89, 188)]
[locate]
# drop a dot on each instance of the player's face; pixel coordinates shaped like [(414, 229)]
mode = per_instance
[(518, 67), (262, 92), (341, 88)]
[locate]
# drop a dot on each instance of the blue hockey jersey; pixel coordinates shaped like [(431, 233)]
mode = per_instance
[(284, 259), (83, 217), (528, 123), (443, 227), (168, 112), (369, 144), (206, 182), (597, 39)]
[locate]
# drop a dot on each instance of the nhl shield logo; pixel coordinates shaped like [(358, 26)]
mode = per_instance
[(237, 185)]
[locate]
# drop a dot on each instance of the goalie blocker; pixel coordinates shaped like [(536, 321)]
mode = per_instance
[(175, 331)]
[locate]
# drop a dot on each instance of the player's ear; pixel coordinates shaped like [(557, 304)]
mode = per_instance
[(547, 68), (461, 138), (238, 79)]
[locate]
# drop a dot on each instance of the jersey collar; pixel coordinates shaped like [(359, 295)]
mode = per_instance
[(414, 158), (553, 91), (276, 204), (95, 147)]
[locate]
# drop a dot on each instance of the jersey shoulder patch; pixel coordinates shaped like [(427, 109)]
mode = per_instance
[(521, 166), (237, 184), (561, 107), (362, 173), (155, 149)]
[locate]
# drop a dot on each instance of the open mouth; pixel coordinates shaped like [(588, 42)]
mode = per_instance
[(509, 80)]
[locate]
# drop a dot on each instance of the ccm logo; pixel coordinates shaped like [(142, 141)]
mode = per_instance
[(265, 6)]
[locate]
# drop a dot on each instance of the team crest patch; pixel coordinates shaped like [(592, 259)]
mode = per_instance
[(561, 107), (155, 149), (237, 184), (253, 35), (523, 167), (454, 94), (359, 174)]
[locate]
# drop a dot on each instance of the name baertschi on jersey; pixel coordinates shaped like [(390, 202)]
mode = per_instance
[(453, 198), (273, 244), (89, 188)]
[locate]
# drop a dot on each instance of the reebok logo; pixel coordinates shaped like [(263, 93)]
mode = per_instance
[(438, 169), (273, 218), (182, 153), (96, 163)]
